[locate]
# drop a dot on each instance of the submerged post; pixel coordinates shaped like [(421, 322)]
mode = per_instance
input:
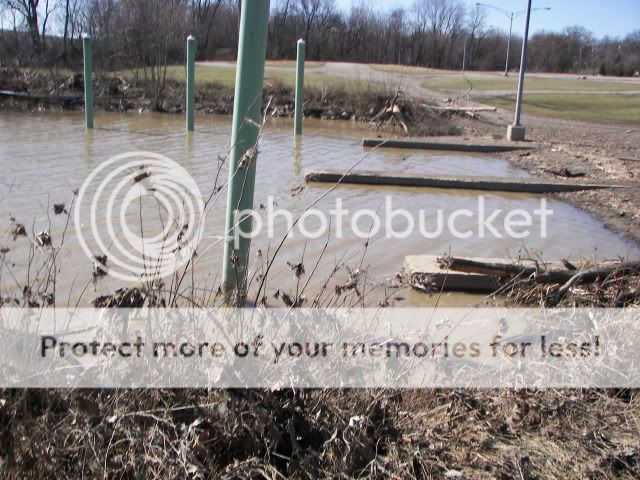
[(299, 87), (191, 73), (252, 48), (88, 80)]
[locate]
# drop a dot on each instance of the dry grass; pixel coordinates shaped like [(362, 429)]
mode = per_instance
[(319, 434)]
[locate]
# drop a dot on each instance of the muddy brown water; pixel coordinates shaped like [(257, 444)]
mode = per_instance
[(45, 156)]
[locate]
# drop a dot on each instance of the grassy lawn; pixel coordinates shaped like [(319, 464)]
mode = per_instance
[(226, 76), (484, 83), (617, 109)]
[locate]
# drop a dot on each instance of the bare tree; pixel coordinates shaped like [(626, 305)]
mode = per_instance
[(28, 10), (442, 20), (476, 26), (315, 14), (204, 15)]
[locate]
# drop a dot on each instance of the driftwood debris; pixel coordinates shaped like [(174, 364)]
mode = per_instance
[(539, 275), (393, 110)]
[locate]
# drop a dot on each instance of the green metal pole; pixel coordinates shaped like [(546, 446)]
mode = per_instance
[(88, 81), (191, 75), (299, 88), (252, 48)]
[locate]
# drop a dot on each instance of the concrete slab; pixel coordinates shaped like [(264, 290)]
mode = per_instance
[(479, 147), (496, 184), (423, 272)]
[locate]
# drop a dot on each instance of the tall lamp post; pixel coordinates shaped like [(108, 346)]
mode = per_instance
[(510, 15)]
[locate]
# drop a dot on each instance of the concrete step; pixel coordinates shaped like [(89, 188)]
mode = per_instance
[(478, 146), (496, 184)]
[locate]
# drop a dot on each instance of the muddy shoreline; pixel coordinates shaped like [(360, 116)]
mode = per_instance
[(577, 151), (31, 91)]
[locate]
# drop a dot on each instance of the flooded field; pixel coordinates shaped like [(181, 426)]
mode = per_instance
[(45, 157)]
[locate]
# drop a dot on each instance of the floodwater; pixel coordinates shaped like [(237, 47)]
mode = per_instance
[(44, 157)]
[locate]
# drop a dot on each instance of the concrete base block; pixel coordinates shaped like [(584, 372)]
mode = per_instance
[(515, 133)]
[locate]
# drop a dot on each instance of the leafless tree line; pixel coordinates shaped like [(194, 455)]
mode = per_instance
[(433, 33)]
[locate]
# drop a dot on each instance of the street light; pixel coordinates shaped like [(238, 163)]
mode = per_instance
[(510, 15)]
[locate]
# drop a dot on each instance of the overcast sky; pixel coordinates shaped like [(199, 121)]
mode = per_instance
[(602, 17)]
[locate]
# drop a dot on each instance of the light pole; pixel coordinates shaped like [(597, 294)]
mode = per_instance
[(516, 131), (510, 15), (464, 54)]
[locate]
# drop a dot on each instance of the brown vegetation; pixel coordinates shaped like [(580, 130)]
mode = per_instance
[(319, 434)]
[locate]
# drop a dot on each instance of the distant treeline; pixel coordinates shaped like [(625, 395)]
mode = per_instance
[(432, 33)]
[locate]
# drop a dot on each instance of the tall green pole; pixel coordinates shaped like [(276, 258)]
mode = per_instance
[(191, 75), (299, 88), (252, 49), (88, 80)]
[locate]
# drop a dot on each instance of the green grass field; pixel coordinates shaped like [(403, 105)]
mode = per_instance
[(226, 76), (614, 108), (456, 82)]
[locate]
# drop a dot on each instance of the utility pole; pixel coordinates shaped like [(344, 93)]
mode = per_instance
[(252, 48), (516, 131), (511, 16), (464, 54), (506, 64)]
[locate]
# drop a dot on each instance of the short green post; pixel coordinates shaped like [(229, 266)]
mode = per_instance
[(88, 80), (252, 49), (191, 74), (299, 88)]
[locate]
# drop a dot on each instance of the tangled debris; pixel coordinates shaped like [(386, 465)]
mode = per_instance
[(610, 284)]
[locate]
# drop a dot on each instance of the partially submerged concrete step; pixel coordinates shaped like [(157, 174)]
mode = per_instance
[(479, 147), (497, 184), (423, 273)]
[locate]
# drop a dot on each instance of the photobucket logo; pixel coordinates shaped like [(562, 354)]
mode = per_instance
[(398, 223), (139, 216)]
